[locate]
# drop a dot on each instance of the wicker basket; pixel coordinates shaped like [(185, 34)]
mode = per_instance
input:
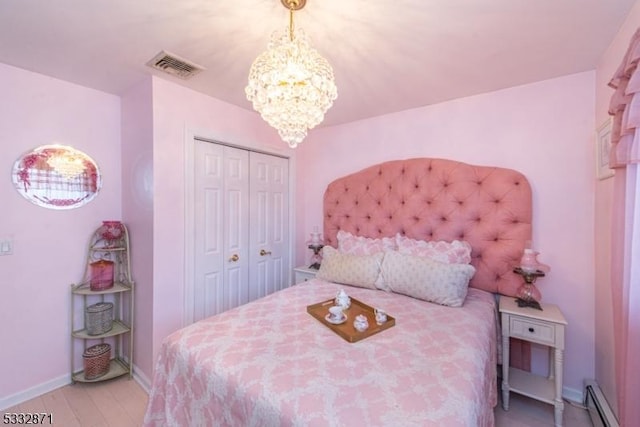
[(98, 318), (96, 361)]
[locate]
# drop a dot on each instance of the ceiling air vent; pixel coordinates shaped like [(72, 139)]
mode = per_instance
[(172, 64)]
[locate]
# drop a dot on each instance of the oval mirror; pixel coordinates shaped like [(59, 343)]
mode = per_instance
[(57, 177)]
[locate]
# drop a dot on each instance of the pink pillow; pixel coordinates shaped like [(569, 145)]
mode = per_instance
[(358, 245), (456, 252)]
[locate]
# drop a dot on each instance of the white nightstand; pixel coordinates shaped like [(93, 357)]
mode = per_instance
[(302, 274), (544, 327)]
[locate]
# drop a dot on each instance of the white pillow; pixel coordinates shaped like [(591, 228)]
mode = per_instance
[(455, 252), (348, 269), (359, 245), (426, 279)]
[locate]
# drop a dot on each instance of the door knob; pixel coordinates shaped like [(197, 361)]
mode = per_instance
[(234, 258), (263, 252)]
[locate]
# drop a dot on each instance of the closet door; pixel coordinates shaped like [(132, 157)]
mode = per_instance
[(269, 219), (221, 209)]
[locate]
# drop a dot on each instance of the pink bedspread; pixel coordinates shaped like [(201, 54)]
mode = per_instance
[(270, 363)]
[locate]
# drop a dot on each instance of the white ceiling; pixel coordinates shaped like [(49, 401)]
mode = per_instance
[(387, 55)]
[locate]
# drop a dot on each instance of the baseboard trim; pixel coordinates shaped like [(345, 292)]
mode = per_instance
[(35, 391), (141, 379), (573, 395)]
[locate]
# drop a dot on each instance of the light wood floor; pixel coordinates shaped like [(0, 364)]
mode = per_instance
[(121, 403)]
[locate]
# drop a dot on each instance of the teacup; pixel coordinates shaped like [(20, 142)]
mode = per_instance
[(381, 316), (336, 313)]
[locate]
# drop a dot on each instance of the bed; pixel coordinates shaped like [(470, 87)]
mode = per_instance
[(269, 363)]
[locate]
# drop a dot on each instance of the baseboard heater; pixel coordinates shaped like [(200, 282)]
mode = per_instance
[(598, 407)]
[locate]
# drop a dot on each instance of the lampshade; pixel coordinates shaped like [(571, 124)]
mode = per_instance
[(291, 85)]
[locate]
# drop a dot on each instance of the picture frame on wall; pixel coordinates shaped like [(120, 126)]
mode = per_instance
[(603, 148)]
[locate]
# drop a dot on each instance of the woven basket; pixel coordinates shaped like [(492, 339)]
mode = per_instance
[(98, 318), (96, 361)]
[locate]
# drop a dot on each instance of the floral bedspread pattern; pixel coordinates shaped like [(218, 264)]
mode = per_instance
[(269, 363)]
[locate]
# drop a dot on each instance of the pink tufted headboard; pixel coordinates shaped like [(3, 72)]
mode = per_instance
[(437, 199)]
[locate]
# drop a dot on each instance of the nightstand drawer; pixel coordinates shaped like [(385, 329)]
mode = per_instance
[(532, 331)]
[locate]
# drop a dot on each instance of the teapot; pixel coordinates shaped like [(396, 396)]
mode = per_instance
[(342, 299)]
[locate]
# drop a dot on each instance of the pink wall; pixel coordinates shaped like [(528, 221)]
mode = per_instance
[(544, 130), (49, 246), (177, 110), (605, 367), (137, 213)]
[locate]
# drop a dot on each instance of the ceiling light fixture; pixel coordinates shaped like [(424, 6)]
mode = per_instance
[(290, 84)]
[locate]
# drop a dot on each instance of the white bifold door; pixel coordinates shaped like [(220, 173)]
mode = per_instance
[(241, 217)]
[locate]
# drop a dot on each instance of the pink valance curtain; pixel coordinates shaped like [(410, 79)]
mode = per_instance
[(625, 250), (625, 108)]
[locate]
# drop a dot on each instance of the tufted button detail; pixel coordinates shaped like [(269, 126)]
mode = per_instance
[(443, 218), (379, 202), (402, 202), (416, 219), (477, 219), (368, 217), (479, 182)]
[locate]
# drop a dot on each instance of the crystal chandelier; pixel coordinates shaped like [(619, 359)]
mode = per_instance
[(290, 84)]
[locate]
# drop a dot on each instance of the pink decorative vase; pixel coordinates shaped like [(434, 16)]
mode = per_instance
[(111, 230), (101, 275)]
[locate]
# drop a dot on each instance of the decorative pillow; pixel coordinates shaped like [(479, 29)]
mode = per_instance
[(359, 245), (348, 269), (426, 279), (456, 252)]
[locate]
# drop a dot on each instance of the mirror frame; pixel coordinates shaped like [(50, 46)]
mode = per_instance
[(57, 177)]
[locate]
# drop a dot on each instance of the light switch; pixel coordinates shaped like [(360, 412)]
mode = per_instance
[(6, 247)]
